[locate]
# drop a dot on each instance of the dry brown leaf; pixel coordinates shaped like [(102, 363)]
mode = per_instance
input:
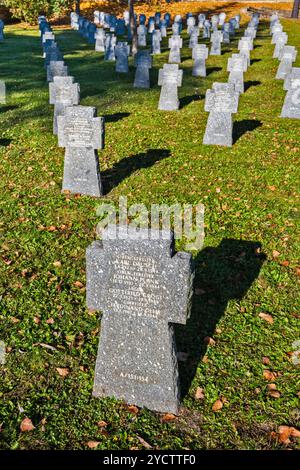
[(271, 386), (133, 409), (275, 253), (78, 284), (272, 188), (168, 417), (26, 425), (266, 317), (268, 375), (144, 443), (284, 433), (14, 320), (208, 340), (284, 263), (266, 360), (36, 320), (199, 395), (217, 405), (295, 432), (50, 321), (205, 359), (102, 424), (274, 394), (57, 264), (92, 444), (63, 371)]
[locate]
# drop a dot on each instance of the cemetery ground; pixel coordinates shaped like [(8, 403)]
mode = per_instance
[(237, 359)]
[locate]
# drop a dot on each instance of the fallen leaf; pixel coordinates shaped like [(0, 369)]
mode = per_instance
[(209, 341), (295, 432), (26, 425), (266, 360), (217, 405), (268, 375), (271, 386), (57, 264), (199, 395), (92, 444), (275, 253), (50, 321), (102, 424), (284, 263), (284, 433), (133, 409), (36, 320), (144, 443), (298, 271), (274, 394), (78, 284), (168, 417), (14, 320), (205, 359), (63, 371), (272, 188), (266, 317)]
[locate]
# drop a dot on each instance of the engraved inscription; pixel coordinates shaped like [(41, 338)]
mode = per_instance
[(135, 287), (79, 132)]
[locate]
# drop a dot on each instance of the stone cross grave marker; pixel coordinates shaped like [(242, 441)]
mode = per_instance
[(63, 92), (81, 133), (110, 44), (142, 288), (56, 69), (216, 39), (201, 19), (291, 105), (2, 25), (143, 63), (293, 74), (142, 35), (236, 66), (288, 55), (191, 22), (195, 31), (226, 34), (175, 44), (206, 29), (245, 45), (221, 102), (156, 40), (280, 41), (222, 17), (122, 51), (53, 54), (200, 54), (100, 40), (163, 28), (169, 78)]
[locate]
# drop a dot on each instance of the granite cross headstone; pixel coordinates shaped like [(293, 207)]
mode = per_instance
[(56, 69), (170, 78), (221, 101), (237, 65), (81, 133), (142, 288), (143, 63), (200, 54), (175, 44), (122, 51)]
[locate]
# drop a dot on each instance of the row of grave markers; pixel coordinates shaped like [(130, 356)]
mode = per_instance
[(78, 128), (291, 75)]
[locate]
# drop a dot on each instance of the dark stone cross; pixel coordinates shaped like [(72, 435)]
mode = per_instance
[(142, 288)]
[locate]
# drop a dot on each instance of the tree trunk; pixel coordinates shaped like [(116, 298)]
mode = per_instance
[(133, 29), (295, 11)]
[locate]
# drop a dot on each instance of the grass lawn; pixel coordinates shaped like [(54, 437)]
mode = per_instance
[(248, 265)]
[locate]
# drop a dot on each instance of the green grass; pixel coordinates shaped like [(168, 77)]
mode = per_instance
[(250, 195)]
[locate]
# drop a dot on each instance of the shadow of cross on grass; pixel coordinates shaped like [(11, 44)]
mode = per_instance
[(223, 273), (128, 165)]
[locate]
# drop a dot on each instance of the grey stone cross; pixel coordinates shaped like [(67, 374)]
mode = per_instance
[(142, 288), (81, 133), (169, 78), (221, 101)]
